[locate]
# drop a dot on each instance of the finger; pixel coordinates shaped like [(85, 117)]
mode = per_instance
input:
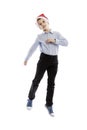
[(25, 63)]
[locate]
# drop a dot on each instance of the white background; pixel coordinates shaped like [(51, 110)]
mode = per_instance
[(17, 33)]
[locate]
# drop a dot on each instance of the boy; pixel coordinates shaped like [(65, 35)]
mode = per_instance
[(49, 42)]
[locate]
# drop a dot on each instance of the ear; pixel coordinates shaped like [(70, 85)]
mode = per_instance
[(38, 26)]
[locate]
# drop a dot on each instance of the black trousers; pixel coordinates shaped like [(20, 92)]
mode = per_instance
[(50, 64)]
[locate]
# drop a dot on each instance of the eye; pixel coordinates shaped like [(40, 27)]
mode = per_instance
[(43, 21)]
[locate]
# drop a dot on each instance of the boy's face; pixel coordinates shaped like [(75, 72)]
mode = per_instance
[(43, 24)]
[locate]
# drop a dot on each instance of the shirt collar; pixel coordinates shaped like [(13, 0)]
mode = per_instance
[(49, 31)]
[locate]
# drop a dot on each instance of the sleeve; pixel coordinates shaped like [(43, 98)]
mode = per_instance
[(32, 49), (60, 40)]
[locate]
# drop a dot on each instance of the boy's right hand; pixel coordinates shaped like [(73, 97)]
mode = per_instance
[(25, 62)]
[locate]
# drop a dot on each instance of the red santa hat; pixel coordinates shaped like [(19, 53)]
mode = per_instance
[(43, 17)]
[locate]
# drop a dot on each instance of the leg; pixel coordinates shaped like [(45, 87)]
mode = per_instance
[(39, 74), (51, 71)]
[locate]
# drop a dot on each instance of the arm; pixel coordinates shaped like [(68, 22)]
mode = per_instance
[(31, 51), (60, 40)]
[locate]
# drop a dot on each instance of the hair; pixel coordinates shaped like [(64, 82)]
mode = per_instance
[(38, 19)]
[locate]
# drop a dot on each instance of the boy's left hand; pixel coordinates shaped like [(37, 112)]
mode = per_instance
[(50, 40)]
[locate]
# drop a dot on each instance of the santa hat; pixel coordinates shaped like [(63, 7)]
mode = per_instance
[(43, 17)]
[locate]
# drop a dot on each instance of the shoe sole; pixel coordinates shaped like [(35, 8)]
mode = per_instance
[(51, 114), (29, 108)]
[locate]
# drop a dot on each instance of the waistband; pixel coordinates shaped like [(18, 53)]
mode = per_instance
[(42, 54)]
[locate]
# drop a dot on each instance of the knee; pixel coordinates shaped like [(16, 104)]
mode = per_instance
[(51, 83)]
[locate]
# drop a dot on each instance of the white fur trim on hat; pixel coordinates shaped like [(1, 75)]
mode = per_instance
[(43, 17)]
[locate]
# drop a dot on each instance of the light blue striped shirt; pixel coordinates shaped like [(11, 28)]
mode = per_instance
[(47, 48)]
